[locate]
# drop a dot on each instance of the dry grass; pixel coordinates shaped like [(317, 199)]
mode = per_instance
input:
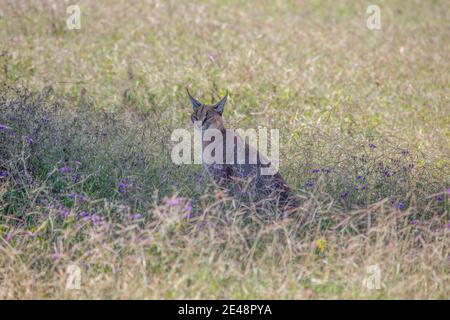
[(364, 130)]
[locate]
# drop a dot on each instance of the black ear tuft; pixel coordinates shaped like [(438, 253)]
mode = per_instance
[(221, 104), (195, 103)]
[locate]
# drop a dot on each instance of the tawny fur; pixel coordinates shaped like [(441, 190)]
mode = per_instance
[(242, 180)]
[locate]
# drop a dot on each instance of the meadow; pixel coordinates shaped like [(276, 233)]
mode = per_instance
[(87, 182)]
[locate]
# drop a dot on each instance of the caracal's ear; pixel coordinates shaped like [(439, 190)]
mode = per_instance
[(195, 103), (221, 104)]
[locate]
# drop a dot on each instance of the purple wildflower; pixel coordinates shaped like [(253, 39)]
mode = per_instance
[(315, 171), (173, 201), (372, 146), (84, 214), (9, 236), (188, 209), (56, 256), (360, 178), (137, 216), (96, 219), (415, 222), (76, 196), (4, 127), (344, 194), (3, 174), (387, 173), (123, 185), (29, 140), (440, 198), (65, 213), (65, 170), (400, 206), (309, 184)]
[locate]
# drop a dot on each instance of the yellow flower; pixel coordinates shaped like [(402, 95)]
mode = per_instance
[(321, 244)]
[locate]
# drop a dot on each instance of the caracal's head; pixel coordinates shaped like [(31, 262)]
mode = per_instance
[(208, 116)]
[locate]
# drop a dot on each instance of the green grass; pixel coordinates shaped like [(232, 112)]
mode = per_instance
[(110, 94)]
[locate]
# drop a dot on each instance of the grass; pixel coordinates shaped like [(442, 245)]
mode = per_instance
[(85, 171)]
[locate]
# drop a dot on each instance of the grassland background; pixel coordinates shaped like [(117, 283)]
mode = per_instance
[(310, 68)]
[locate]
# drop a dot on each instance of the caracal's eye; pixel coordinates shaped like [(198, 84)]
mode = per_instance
[(208, 115)]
